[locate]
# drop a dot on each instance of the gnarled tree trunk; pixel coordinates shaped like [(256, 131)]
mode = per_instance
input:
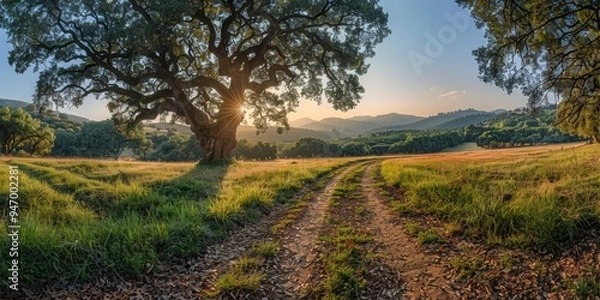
[(218, 136), (219, 140)]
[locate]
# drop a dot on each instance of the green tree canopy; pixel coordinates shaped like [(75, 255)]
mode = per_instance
[(544, 47), (255, 151), (203, 62), (174, 147), (20, 131), (105, 139), (307, 147), (355, 149), (66, 144)]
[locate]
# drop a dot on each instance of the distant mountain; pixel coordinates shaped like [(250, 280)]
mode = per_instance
[(271, 135), (390, 119), (343, 127), (248, 132), (433, 121), (301, 122), (361, 118), (13, 103), (465, 121), (498, 111), (23, 104)]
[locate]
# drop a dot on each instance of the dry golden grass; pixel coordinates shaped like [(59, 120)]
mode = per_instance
[(522, 197)]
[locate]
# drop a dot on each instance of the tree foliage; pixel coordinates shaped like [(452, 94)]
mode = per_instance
[(20, 131), (355, 149), (427, 142), (203, 62), (66, 144), (98, 139), (544, 47), (257, 151), (513, 129), (174, 147), (307, 147)]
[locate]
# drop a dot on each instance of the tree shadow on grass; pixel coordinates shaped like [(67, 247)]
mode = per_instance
[(201, 182), (137, 226)]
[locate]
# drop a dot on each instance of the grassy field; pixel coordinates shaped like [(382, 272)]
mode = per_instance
[(84, 219), (81, 219), (538, 197)]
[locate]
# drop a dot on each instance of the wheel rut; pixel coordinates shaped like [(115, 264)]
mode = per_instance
[(423, 274), (295, 267)]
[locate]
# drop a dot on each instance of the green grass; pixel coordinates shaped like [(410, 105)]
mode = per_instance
[(81, 219), (245, 281), (412, 228), (345, 264), (424, 236), (520, 199), (265, 249), (346, 258), (466, 265), (587, 288), (429, 236), (245, 274)]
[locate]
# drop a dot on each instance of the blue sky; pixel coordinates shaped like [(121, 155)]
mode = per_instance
[(425, 66)]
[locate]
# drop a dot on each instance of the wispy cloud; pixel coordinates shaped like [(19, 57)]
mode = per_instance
[(435, 87), (452, 94)]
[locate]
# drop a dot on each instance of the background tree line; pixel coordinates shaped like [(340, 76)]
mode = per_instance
[(50, 134)]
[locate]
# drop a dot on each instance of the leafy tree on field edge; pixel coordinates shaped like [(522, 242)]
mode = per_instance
[(202, 62)]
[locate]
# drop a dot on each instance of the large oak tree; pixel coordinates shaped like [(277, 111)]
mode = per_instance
[(204, 62), (544, 48)]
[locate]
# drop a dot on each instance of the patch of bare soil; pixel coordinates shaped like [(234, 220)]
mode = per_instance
[(424, 274), (498, 273)]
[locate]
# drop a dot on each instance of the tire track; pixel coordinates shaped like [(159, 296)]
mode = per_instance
[(423, 274), (291, 276)]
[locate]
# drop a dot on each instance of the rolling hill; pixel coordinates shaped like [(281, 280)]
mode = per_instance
[(13, 103), (271, 135), (354, 126), (301, 122), (249, 132), (23, 104), (345, 127), (433, 121), (390, 119), (465, 121)]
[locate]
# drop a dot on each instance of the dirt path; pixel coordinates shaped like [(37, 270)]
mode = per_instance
[(423, 273), (300, 246), (399, 267)]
